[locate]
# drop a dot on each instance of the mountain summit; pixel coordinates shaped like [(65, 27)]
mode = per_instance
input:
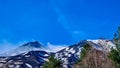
[(34, 44), (30, 46)]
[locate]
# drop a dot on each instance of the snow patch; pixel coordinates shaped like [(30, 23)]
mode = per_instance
[(29, 65)]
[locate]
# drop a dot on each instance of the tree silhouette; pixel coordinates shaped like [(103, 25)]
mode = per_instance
[(52, 63)]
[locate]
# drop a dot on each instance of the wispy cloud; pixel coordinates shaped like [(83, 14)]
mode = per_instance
[(55, 48), (77, 34), (63, 21), (7, 46)]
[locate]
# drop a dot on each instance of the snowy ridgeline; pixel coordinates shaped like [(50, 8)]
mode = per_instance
[(34, 56)]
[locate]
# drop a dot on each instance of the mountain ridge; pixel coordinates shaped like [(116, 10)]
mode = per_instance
[(29, 46), (68, 56)]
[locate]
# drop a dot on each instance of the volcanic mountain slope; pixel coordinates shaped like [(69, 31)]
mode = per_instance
[(32, 59), (30, 46), (68, 56), (71, 54)]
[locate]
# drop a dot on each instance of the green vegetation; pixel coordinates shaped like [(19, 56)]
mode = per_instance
[(115, 53), (86, 47), (52, 63)]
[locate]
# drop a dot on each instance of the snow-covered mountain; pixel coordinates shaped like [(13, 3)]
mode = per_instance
[(103, 44), (30, 46), (70, 55), (35, 52), (32, 59), (33, 46)]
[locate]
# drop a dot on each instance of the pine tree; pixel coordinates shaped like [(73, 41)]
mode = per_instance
[(115, 53), (119, 37), (116, 38), (52, 63)]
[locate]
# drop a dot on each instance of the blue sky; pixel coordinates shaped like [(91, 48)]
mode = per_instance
[(58, 21)]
